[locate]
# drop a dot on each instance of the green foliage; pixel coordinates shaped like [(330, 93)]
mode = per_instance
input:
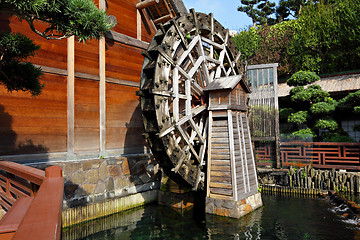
[(357, 109), (247, 42), (326, 124), (299, 117), (311, 102), (16, 74), (258, 10), (350, 103), (63, 17), (357, 127), (305, 134), (302, 78), (322, 38), (273, 46), (339, 136), (284, 113), (289, 8), (311, 94), (323, 108)]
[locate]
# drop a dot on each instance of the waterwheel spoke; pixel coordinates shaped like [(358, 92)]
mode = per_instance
[(194, 112), (188, 51), (176, 94), (203, 147), (197, 130), (185, 136)]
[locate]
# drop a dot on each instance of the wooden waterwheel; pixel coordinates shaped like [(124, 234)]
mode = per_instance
[(185, 55)]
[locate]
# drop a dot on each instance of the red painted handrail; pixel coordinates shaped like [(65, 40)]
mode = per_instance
[(33, 200)]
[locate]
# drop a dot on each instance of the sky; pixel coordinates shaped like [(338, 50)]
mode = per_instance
[(225, 11)]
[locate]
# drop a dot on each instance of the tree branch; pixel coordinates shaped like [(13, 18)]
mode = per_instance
[(43, 34)]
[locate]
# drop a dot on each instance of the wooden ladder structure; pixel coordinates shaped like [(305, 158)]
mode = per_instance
[(160, 11)]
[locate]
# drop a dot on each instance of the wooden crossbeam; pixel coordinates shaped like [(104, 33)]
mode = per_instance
[(163, 19), (146, 3)]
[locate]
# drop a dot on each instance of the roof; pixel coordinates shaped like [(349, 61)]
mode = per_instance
[(340, 83), (224, 83)]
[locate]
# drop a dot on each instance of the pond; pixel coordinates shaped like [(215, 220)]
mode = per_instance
[(282, 217)]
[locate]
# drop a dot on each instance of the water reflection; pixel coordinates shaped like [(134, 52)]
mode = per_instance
[(282, 217)]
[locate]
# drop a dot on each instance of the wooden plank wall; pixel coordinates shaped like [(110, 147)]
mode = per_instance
[(220, 169), (245, 164), (42, 125)]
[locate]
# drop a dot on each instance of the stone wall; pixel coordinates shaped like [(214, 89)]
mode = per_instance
[(233, 209), (91, 184)]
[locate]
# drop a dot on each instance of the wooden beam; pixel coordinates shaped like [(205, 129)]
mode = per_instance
[(146, 3), (251, 151), (102, 97), (71, 98), (102, 90), (138, 25), (87, 76), (209, 155), (124, 39), (232, 155), (162, 19)]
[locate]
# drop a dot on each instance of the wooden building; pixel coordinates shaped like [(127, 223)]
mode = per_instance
[(88, 107)]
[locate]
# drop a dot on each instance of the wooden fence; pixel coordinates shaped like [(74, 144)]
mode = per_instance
[(318, 154), (32, 200)]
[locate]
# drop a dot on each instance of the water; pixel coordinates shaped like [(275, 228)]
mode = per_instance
[(281, 218)]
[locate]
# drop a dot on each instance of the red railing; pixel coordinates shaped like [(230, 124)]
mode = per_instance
[(32, 199), (318, 154), (263, 156)]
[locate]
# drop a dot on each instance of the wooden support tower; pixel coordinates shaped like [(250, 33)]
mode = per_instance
[(231, 173)]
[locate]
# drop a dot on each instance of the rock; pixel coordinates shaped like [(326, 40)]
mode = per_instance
[(103, 171), (125, 167), (114, 170), (87, 189), (86, 165), (70, 168), (218, 203), (78, 178), (100, 187), (69, 190), (91, 176), (145, 178), (110, 184)]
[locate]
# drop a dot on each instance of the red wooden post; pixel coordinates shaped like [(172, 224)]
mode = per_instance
[(53, 172), (8, 184)]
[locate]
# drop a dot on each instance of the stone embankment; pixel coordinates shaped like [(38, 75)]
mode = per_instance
[(96, 188), (308, 180)]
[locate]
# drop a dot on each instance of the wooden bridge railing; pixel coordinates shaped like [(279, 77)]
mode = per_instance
[(318, 154), (32, 199)]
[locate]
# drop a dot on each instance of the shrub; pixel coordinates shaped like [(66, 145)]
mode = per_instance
[(302, 78), (298, 117), (303, 134), (326, 124), (322, 108), (337, 137), (284, 113)]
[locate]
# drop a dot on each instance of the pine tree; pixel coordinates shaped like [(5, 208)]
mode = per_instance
[(259, 11), (64, 18)]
